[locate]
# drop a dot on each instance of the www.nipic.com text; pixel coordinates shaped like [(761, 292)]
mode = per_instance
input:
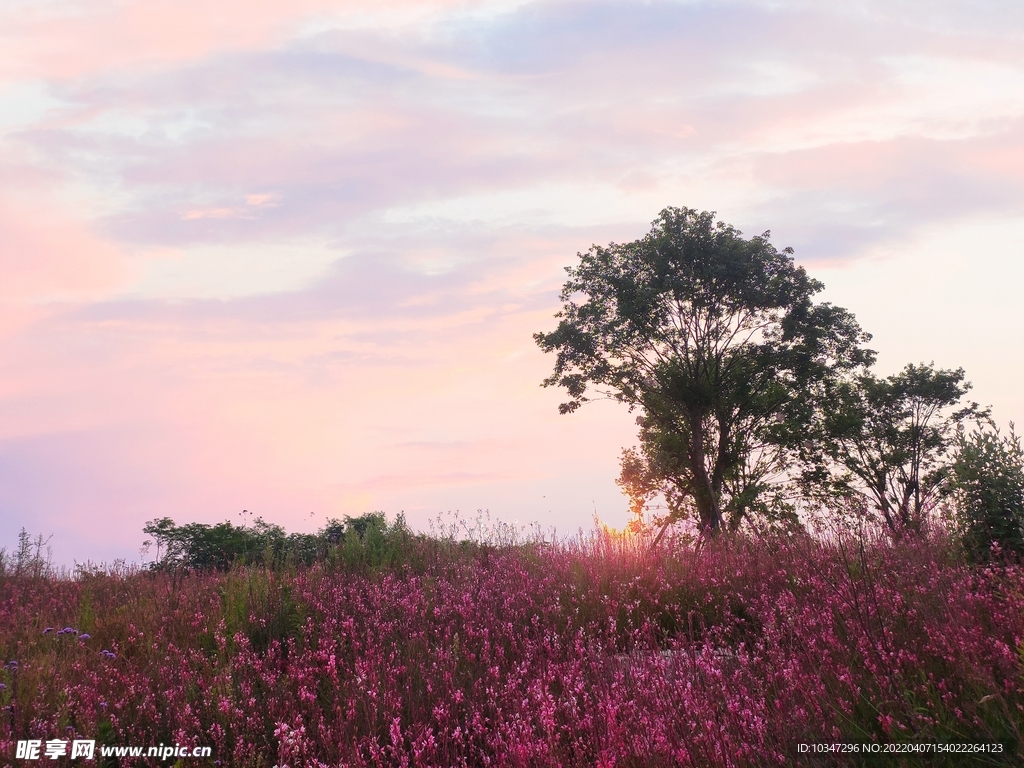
[(35, 749)]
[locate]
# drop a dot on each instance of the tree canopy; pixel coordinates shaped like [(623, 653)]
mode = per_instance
[(716, 339), (885, 441)]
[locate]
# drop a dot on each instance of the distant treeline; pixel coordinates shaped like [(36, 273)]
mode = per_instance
[(200, 546)]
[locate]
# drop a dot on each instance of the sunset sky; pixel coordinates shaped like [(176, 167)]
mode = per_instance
[(289, 256)]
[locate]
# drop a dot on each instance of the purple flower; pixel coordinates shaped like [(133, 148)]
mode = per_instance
[(11, 665), (48, 630), (84, 636), (108, 654)]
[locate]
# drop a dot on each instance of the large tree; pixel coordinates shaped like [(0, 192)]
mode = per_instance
[(716, 340)]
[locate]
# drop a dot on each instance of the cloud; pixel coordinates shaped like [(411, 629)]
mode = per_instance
[(292, 256), (61, 40)]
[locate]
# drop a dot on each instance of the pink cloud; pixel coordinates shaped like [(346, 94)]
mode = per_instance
[(331, 415), (49, 253), (446, 166), (71, 39)]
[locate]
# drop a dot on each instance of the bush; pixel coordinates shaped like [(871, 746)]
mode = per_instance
[(987, 484), (219, 547)]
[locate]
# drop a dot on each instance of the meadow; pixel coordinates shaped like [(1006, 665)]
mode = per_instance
[(599, 651)]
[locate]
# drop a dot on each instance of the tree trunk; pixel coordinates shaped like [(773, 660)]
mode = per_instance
[(707, 501)]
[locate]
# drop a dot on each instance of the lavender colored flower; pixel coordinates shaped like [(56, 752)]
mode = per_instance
[(561, 657), (48, 630), (84, 636)]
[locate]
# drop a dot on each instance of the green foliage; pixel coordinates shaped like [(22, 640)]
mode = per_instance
[(715, 338), (987, 485), (262, 607), (886, 442), (201, 546), (366, 540), (370, 544)]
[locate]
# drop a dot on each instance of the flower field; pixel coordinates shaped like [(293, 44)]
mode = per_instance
[(596, 653)]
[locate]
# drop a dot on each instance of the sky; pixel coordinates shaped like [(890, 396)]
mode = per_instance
[(289, 257)]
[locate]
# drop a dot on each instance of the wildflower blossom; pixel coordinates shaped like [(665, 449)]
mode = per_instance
[(582, 656)]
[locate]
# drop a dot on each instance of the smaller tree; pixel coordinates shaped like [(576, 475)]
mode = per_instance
[(987, 486), (886, 442)]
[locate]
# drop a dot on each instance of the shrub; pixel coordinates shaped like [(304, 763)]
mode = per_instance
[(987, 484), (367, 538)]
